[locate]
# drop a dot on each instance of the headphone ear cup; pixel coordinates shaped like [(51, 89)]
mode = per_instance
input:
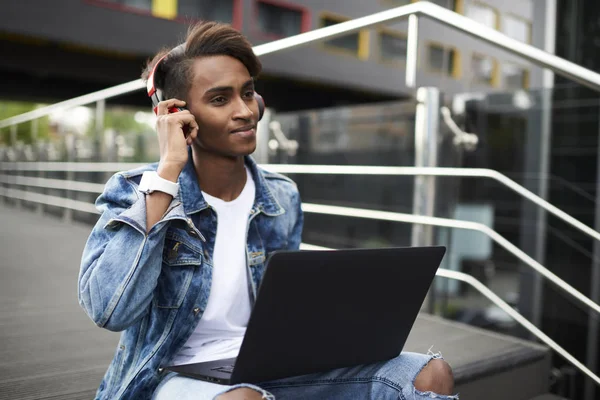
[(261, 105)]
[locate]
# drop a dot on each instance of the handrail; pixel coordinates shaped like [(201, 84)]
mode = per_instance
[(493, 297), (56, 201), (437, 13), (451, 223), (435, 171), (358, 213), (48, 183), (333, 170), (89, 98), (521, 320)]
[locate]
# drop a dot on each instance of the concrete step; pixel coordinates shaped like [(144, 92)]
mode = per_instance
[(486, 365)]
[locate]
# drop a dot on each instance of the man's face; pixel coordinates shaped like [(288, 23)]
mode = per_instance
[(221, 98)]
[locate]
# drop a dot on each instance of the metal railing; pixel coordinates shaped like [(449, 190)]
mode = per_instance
[(315, 208), (453, 223), (287, 169), (504, 306), (436, 171)]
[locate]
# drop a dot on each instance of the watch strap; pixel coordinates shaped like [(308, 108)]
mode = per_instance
[(152, 182)]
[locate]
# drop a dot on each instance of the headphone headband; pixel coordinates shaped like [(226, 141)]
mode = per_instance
[(156, 94)]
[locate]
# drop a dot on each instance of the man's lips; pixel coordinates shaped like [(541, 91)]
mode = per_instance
[(243, 129)]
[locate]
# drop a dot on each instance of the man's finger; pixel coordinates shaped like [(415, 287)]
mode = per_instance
[(187, 119), (193, 133), (164, 106)]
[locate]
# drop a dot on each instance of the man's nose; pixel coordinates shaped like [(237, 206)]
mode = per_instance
[(243, 109)]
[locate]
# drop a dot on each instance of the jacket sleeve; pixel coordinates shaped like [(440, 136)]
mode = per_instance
[(297, 222), (120, 264)]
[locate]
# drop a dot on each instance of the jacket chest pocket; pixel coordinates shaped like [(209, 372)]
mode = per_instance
[(179, 261)]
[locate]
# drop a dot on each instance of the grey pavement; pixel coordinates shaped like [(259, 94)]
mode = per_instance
[(49, 348)]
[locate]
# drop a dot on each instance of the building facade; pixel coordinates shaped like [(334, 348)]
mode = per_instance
[(70, 47)]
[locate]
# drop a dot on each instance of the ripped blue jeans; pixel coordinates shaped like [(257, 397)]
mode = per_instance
[(393, 379)]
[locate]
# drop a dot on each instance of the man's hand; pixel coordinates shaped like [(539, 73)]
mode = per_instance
[(175, 132)]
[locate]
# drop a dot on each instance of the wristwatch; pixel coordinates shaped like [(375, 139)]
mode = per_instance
[(152, 182)]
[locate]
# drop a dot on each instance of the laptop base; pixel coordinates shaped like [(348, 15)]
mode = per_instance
[(217, 371)]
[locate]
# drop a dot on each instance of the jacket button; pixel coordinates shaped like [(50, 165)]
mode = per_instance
[(192, 232), (160, 370), (206, 253), (196, 310)]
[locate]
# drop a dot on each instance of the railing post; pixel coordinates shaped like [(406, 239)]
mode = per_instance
[(69, 139), (98, 130), (427, 120), (98, 146), (412, 51), (593, 319), (34, 131), (38, 208), (261, 154), (13, 147), (13, 135)]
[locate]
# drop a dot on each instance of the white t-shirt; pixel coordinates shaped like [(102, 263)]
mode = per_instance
[(220, 332)]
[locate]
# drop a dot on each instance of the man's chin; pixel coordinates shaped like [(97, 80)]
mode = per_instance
[(252, 150), (243, 152), (246, 150), (238, 150)]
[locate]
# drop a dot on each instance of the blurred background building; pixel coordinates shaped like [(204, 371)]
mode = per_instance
[(92, 44)]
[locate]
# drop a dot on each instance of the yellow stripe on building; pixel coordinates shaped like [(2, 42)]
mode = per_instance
[(363, 45), (164, 8)]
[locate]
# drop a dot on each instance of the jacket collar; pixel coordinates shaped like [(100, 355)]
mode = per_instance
[(193, 201)]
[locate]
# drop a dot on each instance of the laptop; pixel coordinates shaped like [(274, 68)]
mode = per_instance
[(320, 310)]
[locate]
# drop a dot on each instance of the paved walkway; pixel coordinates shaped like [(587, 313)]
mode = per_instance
[(49, 348)]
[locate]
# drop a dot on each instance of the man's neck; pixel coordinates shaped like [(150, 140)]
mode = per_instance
[(219, 176)]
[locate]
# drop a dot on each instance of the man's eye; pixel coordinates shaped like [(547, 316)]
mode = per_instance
[(249, 94), (219, 100)]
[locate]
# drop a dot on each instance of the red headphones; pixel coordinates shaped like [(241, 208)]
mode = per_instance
[(156, 95)]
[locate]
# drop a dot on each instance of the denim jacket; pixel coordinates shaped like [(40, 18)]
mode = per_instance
[(154, 286)]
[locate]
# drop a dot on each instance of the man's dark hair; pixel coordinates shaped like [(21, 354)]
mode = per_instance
[(205, 38)]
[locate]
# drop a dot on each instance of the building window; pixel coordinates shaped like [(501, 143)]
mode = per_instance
[(515, 77), (444, 60), (279, 19), (396, 3), (483, 14), (517, 28), (354, 43), (449, 4), (145, 5), (484, 70), (392, 46), (211, 10)]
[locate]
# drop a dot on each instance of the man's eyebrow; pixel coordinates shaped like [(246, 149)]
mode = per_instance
[(219, 89)]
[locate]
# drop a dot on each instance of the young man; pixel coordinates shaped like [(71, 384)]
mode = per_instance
[(180, 248)]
